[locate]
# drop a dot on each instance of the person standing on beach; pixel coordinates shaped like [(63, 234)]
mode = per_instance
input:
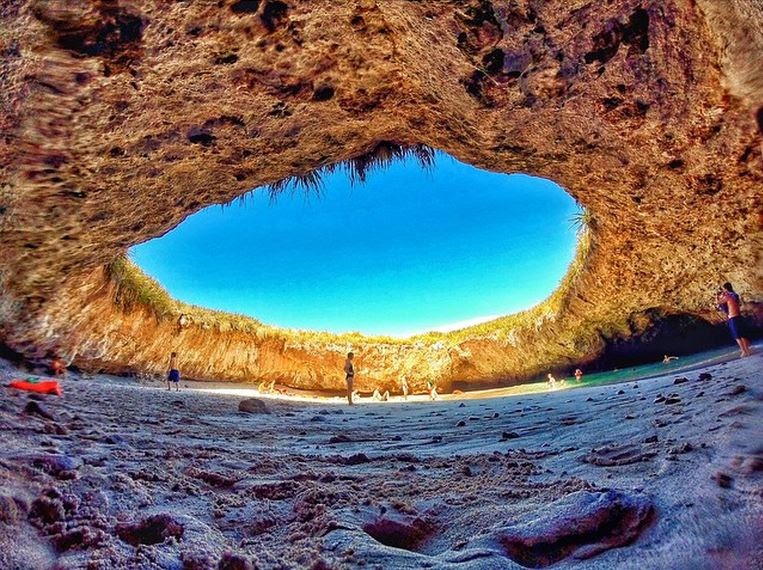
[(728, 302), (578, 375), (174, 374), (58, 366), (404, 386), (349, 375)]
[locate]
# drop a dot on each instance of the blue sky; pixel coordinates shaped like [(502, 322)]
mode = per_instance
[(408, 251)]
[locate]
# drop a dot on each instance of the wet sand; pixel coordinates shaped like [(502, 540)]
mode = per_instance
[(646, 474)]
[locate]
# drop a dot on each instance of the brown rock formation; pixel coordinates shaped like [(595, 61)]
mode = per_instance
[(120, 119)]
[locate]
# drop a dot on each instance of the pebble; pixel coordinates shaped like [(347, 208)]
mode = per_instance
[(725, 481), (356, 459), (509, 435), (681, 380), (705, 376), (253, 406)]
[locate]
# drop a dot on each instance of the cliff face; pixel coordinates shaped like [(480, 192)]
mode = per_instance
[(120, 119)]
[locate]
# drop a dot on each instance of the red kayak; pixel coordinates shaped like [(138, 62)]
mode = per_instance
[(39, 386)]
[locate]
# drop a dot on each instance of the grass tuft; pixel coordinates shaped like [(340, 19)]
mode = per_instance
[(582, 221), (380, 156)]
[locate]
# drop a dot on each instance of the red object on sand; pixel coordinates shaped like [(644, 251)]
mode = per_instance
[(41, 387)]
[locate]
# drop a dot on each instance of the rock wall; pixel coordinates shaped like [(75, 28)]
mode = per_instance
[(121, 119)]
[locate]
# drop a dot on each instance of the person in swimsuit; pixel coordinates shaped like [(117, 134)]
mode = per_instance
[(58, 366), (432, 389), (667, 359), (728, 303), (551, 381), (578, 375), (404, 386), (174, 374), (349, 375), (378, 396)]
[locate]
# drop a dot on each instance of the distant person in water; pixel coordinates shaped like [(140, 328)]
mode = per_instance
[(728, 302), (551, 381), (666, 359), (173, 376), (349, 375), (404, 386), (378, 396), (578, 375)]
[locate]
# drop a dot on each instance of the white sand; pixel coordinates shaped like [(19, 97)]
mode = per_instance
[(439, 482)]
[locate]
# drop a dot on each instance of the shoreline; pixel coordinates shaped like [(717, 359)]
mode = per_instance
[(246, 390)]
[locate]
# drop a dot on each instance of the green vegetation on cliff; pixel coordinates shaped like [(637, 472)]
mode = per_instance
[(134, 289)]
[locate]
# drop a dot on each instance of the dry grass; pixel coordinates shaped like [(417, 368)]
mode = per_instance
[(381, 156)]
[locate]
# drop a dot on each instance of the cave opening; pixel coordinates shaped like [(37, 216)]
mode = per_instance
[(426, 243)]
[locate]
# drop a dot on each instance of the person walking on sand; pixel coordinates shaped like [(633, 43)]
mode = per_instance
[(728, 303), (349, 375), (578, 375), (404, 386), (174, 374), (551, 381)]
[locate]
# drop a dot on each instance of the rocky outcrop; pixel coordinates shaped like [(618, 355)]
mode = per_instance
[(121, 119)]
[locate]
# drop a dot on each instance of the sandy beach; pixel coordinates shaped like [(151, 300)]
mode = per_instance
[(659, 473)]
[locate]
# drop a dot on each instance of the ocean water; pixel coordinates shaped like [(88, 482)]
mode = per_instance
[(685, 363)]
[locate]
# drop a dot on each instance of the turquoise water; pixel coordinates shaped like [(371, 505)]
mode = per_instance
[(683, 364)]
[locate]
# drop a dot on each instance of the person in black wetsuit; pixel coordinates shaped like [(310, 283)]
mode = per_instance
[(349, 375)]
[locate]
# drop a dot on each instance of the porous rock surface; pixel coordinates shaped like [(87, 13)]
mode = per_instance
[(121, 119)]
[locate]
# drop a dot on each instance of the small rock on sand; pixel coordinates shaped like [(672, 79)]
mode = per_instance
[(151, 530), (253, 406), (705, 376), (681, 380), (356, 459), (35, 409), (582, 524), (509, 435), (739, 389), (724, 480), (60, 466), (341, 438), (230, 561)]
